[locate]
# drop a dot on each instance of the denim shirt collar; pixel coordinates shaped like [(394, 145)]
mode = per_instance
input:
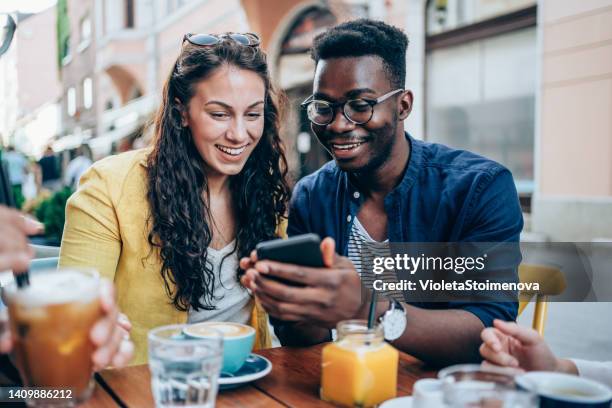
[(353, 198), (415, 162), (410, 174)]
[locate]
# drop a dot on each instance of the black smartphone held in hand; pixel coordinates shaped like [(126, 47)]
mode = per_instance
[(304, 250)]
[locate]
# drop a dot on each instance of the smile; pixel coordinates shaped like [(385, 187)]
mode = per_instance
[(346, 146), (232, 151)]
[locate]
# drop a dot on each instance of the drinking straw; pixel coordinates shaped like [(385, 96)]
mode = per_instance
[(23, 279), (372, 310)]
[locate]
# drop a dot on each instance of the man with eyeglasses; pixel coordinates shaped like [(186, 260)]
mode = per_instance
[(382, 185)]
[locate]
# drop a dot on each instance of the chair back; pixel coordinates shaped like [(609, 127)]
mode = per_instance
[(551, 283)]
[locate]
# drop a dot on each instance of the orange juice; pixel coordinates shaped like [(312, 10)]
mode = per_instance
[(359, 369)]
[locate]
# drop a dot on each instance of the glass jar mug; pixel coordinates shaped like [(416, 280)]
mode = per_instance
[(360, 368)]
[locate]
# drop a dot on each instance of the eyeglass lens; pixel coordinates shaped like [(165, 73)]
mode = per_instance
[(357, 111)]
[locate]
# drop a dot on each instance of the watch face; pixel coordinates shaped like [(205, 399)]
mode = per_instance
[(394, 324)]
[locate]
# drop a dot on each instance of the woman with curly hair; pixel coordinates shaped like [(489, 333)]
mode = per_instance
[(168, 224)]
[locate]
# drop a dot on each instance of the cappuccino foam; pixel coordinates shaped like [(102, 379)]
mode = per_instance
[(228, 329)]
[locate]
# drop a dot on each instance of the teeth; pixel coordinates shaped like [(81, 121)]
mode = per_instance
[(346, 146), (230, 151)]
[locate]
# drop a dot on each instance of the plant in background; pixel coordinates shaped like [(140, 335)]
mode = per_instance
[(52, 213), (31, 206)]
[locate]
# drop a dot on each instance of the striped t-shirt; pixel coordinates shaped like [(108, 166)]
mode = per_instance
[(362, 249)]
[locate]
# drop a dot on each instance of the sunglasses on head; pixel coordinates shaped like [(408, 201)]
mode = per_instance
[(208, 40)]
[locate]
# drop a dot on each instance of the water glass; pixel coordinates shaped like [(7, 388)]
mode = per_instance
[(184, 371), (492, 398), (471, 385)]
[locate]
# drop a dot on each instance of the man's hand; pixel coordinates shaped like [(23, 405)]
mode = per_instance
[(510, 345), (15, 253), (330, 294), (110, 334)]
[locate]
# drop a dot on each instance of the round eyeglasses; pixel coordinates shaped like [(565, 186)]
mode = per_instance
[(358, 111), (207, 40)]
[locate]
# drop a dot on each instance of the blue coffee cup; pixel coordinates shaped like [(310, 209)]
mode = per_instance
[(557, 390), (238, 341)]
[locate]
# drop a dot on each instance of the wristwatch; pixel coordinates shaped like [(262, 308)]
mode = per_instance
[(394, 321)]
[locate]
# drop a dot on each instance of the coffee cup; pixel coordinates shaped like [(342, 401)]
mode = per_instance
[(238, 341), (557, 390)]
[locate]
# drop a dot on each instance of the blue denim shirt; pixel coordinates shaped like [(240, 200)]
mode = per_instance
[(446, 195)]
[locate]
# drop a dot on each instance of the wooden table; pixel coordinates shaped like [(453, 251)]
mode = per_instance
[(293, 382)]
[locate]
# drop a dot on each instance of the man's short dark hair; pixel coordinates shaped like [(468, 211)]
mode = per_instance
[(365, 37)]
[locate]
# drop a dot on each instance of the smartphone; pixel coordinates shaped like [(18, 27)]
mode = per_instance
[(302, 250)]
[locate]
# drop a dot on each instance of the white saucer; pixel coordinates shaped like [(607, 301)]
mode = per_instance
[(254, 368), (401, 402)]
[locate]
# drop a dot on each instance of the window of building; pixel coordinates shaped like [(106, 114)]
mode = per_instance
[(85, 31), (71, 101), (481, 83), (66, 56), (444, 15), (87, 93), (294, 75), (305, 28), (129, 14), (63, 33)]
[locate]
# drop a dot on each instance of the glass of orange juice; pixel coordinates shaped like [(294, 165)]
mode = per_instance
[(359, 369)]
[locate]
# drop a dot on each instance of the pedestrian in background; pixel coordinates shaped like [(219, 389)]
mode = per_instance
[(17, 168), (49, 167), (77, 166)]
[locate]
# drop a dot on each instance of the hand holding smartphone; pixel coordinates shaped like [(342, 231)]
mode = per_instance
[(304, 250)]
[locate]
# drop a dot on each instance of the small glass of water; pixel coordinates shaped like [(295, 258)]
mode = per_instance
[(474, 386), (184, 371), (493, 398)]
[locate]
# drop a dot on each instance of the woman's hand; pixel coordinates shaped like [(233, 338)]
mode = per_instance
[(246, 264), (509, 345)]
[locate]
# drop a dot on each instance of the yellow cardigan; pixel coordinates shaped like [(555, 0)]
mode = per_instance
[(106, 228)]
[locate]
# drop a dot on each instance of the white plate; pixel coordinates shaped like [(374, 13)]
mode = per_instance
[(401, 402), (254, 368)]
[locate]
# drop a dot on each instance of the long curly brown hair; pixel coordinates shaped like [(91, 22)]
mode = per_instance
[(180, 217)]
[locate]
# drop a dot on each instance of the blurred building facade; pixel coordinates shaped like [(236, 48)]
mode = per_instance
[(529, 84), (573, 147), (525, 82), (30, 89)]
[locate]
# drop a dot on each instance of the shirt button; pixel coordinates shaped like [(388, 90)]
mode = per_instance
[(348, 218), (356, 194)]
